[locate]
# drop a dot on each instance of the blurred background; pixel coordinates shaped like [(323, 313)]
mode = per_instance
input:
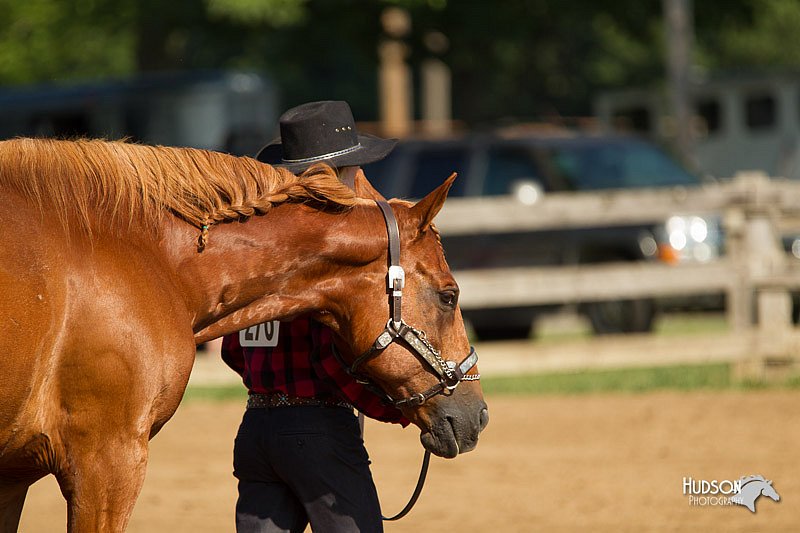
[(66, 66), (588, 137), (552, 116)]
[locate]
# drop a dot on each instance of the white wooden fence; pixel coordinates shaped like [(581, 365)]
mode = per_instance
[(755, 273)]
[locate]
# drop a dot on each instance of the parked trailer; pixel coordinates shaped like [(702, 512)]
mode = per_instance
[(739, 123), (215, 110)]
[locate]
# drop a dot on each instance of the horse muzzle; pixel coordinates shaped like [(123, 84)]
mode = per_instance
[(454, 423)]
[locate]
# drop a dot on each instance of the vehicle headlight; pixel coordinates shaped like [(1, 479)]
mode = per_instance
[(693, 238), (527, 191), (698, 229)]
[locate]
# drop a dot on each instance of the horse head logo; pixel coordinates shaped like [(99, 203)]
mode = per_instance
[(751, 487)]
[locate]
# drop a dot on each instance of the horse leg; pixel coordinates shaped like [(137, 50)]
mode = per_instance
[(102, 483), (12, 498)]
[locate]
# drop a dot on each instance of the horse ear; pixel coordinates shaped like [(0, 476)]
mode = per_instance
[(364, 188), (426, 209)]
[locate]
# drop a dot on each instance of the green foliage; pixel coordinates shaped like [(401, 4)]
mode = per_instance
[(623, 55), (45, 40), (276, 13), (522, 59), (769, 38)]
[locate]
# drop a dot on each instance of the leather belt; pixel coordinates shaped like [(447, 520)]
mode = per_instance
[(279, 399)]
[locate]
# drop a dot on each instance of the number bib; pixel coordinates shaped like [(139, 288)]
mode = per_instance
[(261, 335)]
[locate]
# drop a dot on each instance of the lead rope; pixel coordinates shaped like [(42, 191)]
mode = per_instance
[(396, 280), (426, 459), (423, 473)]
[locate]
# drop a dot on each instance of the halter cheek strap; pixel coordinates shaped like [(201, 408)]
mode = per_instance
[(397, 276)]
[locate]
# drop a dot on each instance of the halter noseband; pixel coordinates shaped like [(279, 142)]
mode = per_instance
[(450, 373)]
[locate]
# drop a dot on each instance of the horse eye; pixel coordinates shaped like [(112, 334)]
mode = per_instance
[(449, 298)]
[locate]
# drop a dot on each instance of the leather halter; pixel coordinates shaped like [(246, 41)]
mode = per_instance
[(450, 373)]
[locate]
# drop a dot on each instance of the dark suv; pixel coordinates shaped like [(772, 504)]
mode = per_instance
[(490, 165)]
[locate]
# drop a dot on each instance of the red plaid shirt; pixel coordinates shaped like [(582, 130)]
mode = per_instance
[(302, 364)]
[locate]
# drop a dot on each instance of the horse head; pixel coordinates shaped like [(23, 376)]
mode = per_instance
[(768, 490), (312, 255), (429, 372)]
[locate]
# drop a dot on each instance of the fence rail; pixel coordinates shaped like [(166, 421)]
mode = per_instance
[(583, 283), (756, 274)]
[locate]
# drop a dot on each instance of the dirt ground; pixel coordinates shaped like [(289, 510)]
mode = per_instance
[(573, 463)]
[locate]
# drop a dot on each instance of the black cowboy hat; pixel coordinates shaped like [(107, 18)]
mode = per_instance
[(322, 132)]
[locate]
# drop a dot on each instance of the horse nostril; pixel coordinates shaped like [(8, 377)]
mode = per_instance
[(484, 418)]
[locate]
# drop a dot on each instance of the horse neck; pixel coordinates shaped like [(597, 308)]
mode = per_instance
[(269, 267)]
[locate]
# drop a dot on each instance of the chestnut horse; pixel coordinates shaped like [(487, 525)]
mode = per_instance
[(106, 289)]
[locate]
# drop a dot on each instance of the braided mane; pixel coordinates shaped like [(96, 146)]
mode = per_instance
[(116, 184)]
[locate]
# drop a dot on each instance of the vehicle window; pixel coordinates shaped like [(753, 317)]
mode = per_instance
[(434, 166), (587, 167), (760, 112), (507, 167), (710, 115)]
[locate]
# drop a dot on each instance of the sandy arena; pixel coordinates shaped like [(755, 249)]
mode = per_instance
[(570, 463)]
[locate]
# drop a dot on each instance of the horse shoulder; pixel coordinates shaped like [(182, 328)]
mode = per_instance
[(139, 333), (32, 301)]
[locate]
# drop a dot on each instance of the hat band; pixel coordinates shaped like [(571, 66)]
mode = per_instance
[(329, 155)]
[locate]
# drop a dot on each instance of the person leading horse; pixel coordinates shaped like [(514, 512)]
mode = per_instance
[(298, 455)]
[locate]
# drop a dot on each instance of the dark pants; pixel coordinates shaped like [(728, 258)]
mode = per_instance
[(303, 464)]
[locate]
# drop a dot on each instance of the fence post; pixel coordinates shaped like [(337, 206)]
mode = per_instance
[(739, 296), (759, 260)]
